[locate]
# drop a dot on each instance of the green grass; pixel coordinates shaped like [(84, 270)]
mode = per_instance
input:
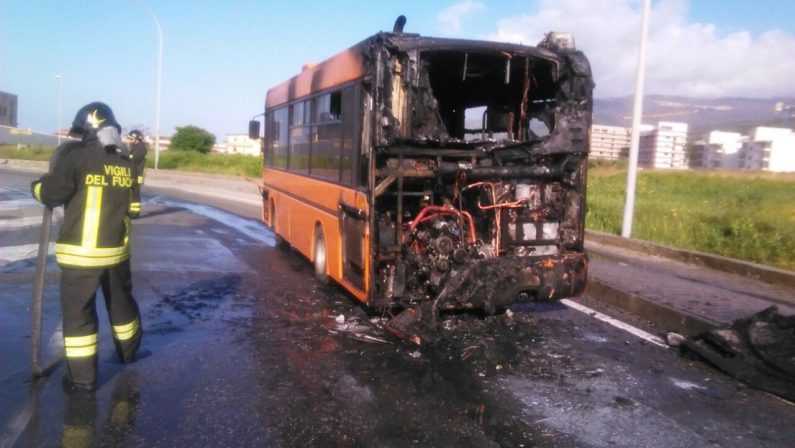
[(234, 164), (36, 152), (743, 215)]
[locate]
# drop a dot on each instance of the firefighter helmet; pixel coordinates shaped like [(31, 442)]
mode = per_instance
[(93, 117), (136, 135)]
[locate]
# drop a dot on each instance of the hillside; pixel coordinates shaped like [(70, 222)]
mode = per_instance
[(703, 115)]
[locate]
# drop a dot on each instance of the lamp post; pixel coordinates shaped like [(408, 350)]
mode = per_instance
[(60, 104), (632, 171), (146, 7)]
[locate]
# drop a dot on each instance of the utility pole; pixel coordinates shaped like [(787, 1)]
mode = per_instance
[(149, 10), (637, 113), (60, 104)]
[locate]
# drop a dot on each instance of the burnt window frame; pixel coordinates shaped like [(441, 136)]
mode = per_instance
[(544, 74)]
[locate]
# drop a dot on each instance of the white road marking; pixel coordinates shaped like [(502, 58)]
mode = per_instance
[(19, 423), (249, 227), (656, 340), (11, 254), (16, 223), (16, 204), (687, 385)]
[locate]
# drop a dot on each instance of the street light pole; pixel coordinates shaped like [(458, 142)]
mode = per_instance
[(632, 171), (159, 76), (60, 104)]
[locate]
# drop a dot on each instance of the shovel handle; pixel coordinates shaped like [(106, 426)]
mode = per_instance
[(38, 292)]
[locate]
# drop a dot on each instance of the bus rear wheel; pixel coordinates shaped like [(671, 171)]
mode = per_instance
[(319, 257), (280, 241)]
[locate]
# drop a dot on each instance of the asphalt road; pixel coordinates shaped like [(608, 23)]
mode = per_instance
[(243, 348)]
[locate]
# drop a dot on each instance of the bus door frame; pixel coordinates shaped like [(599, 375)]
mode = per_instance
[(353, 220)]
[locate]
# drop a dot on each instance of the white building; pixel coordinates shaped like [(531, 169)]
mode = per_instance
[(770, 149), (8, 109), (609, 142), (664, 146), (722, 150), (240, 144)]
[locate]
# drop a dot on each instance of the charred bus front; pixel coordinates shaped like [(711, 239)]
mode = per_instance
[(462, 170), (479, 156)]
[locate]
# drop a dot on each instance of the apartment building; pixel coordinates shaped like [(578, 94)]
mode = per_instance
[(664, 146), (609, 142), (8, 110), (240, 144), (769, 149), (720, 150)]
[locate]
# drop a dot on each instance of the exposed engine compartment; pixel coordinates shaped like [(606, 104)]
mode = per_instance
[(452, 227), (479, 192)]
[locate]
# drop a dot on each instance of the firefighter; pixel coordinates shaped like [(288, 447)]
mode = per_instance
[(138, 150), (93, 179)]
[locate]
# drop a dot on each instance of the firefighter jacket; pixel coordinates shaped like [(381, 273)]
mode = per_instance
[(94, 185), (138, 152)]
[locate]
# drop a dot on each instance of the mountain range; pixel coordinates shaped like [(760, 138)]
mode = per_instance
[(702, 115)]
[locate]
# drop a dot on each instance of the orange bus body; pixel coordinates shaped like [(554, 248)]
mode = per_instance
[(298, 205)]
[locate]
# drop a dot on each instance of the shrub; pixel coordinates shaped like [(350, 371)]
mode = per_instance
[(192, 138)]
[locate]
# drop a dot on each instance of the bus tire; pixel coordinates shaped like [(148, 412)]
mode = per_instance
[(319, 257), (281, 243)]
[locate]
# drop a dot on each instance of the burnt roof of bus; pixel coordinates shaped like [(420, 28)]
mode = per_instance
[(351, 64)]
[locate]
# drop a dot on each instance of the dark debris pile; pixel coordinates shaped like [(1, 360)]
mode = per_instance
[(758, 350)]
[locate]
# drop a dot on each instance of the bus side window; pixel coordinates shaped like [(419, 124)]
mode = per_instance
[(348, 150), (277, 138), (326, 132), (299, 138)]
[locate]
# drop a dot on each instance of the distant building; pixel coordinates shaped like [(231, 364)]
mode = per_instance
[(609, 142), (8, 110), (239, 144), (719, 150), (165, 142), (664, 146), (63, 133), (769, 149)]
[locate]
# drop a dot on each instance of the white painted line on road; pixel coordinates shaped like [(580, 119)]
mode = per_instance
[(12, 254), (656, 340), (249, 227), (16, 223), (18, 424), (16, 204), (15, 190)]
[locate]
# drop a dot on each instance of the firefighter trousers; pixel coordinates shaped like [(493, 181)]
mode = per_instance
[(80, 323)]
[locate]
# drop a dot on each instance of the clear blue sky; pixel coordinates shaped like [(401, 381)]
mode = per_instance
[(221, 56)]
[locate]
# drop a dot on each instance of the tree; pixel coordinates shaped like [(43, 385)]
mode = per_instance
[(192, 138)]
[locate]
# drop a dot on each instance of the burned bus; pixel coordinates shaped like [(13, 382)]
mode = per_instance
[(425, 174)]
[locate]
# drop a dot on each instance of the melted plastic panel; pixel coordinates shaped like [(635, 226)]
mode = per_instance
[(480, 177)]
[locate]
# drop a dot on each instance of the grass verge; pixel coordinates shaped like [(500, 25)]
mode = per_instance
[(35, 152), (744, 215), (233, 164)]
